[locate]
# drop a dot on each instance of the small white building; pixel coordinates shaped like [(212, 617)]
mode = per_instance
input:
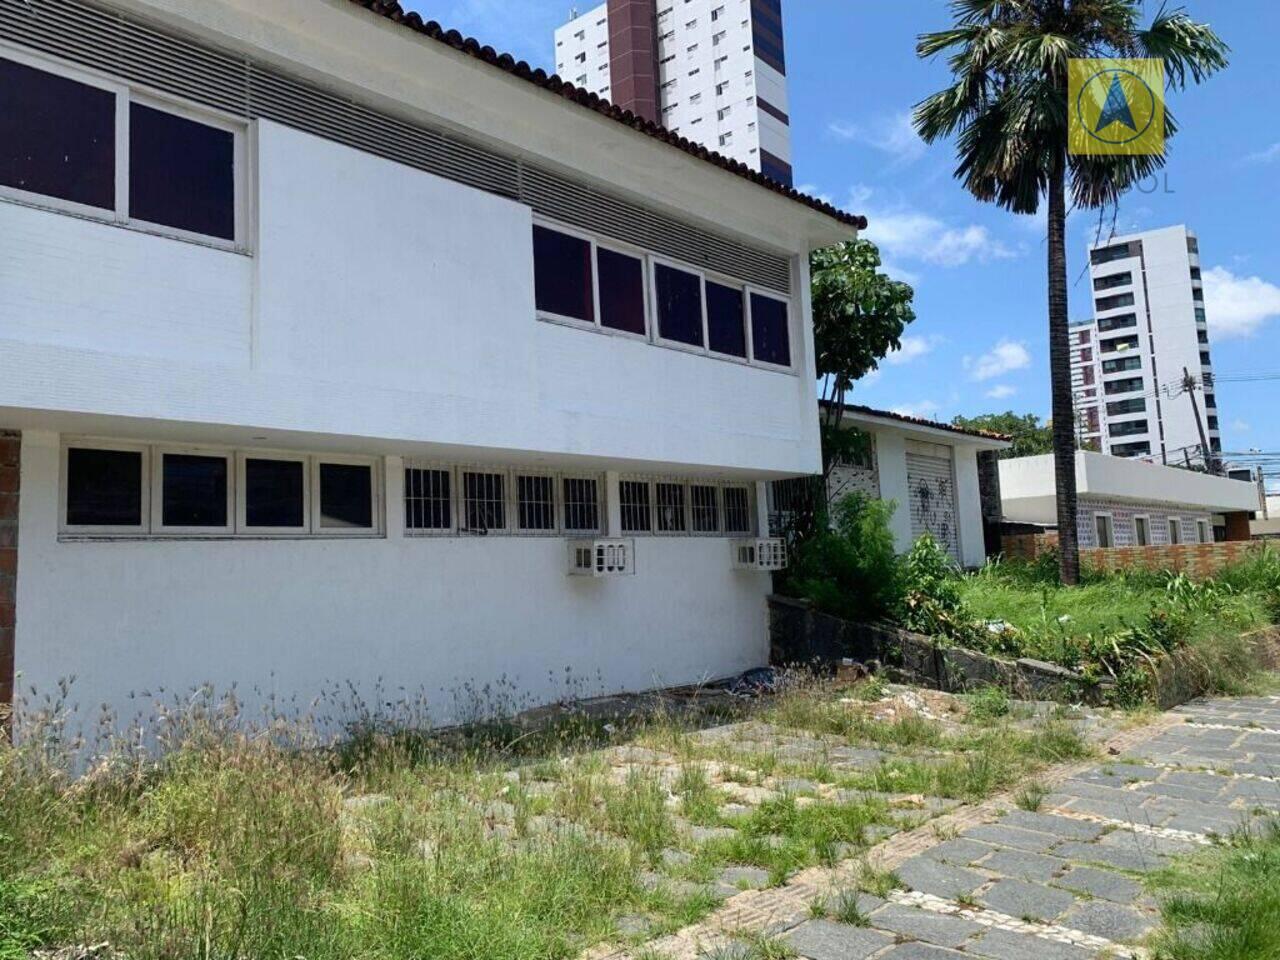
[(332, 344), (929, 470), (1130, 503)]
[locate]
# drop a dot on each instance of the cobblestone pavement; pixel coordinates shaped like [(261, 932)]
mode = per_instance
[(1061, 882)]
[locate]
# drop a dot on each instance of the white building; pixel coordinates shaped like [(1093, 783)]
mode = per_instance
[(1149, 330), (325, 337), (1130, 503), (713, 71)]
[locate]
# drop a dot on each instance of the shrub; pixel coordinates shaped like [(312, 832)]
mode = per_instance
[(851, 570)]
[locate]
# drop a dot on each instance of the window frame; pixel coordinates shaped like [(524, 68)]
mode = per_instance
[(127, 93), (753, 290), (744, 290), (158, 527), (508, 527), (452, 530), (602, 511), (242, 500), (749, 490), (1173, 529), (1204, 531), (654, 262), (144, 477), (1111, 529), (1144, 522), (625, 250), (375, 504), (564, 318), (557, 503)]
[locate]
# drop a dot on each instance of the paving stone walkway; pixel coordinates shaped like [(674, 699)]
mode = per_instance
[(1061, 882)]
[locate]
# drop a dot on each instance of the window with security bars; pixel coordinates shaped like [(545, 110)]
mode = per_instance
[(484, 503), (737, 510), (705, 509), (428, 499), (535, 503), (635, 506), (671, 517), (581, 505)]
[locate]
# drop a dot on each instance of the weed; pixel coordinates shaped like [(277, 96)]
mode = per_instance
[(847, 910), (1031, 796)]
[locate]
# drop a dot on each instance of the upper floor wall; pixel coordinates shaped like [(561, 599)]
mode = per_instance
[(358, 297)]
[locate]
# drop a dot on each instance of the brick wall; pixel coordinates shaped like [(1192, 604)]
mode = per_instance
[(10, 455), (1195, 559)]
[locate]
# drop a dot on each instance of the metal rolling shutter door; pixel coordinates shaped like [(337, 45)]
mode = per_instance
[(933, 497)]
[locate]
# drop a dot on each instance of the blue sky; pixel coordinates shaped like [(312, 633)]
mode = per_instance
[(980, 342)]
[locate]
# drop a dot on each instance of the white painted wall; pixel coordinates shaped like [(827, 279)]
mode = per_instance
[(294, 618), (379, 302)]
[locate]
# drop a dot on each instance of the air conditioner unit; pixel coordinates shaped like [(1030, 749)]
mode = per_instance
[(769, 553), (602, 558)]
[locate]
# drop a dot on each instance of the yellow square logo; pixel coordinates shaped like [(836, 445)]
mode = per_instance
[(1115, 107)]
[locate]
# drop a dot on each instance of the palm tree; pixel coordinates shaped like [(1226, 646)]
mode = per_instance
[(1007, 108)]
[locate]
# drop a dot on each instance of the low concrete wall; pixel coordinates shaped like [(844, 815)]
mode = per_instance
[(1201, 560)]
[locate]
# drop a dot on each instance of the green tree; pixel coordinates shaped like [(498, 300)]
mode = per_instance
[(1007, 109), (1030, 436), (859, 315)]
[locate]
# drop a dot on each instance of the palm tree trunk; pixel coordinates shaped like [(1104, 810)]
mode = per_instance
[(1064, 447)]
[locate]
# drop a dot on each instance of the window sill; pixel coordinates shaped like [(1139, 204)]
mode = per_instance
[(210, 538)]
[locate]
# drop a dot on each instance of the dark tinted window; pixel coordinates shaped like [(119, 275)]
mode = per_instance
[(535, 501), (726, 320), (194, 491), (633, 500), (621, 291), (274, 493), (770, 336), (346, 495), (104, 488), (484, 501), (57, 136), (562, 274), (181, 173), (581, 505), (427, 499), (737, 510), (706, 514), (679, 297)]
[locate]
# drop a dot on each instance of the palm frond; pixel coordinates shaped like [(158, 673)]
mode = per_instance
[(1189, 49)]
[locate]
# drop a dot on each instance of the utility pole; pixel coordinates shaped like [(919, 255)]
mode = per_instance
[(1189, 384)]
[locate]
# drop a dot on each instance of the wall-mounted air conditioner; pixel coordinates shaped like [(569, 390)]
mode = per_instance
[(602, 558), (768, 553)]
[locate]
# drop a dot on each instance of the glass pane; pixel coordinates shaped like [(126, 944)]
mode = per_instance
[(181, 173), (562, 275), (485, 502), (671, 507), (726, 320), (621, 291), (346, 496), (770, 336), (427, 502), (536, 502), (57, 136), (273, 493), (104, 488), (581, 505), (679, 296), (194, 491)]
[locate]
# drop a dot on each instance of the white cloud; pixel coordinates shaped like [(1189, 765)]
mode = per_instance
[(894, 135), (1268, 155), (906, 234), (1238, 306), (1001, 391), (1239, 426), (1005, 357), (913, 348), (925, 409)]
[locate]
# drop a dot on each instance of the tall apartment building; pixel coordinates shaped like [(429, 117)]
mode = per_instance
[(264, 264), (713, 71), (1127, 364)]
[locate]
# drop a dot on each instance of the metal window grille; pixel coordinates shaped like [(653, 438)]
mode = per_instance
[(633, 499), (790, 499), (706, 510), (737, 510), (484, 503), (671, 514), (581, 504), (535, 502), (428, 499)]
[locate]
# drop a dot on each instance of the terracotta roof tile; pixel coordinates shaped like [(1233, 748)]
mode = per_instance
[(585, 98), (921, 422)]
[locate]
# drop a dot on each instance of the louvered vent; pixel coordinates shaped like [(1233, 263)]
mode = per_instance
[(134, 51)]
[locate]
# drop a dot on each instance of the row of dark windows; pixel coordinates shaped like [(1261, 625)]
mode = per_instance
[(1127, 385), (573, 274), (1128, 428), (1140, 449), (1117, 251), (1118, 343), (1122, 322), (1132, 405), (1114, 280), (1119, 300), (60, 138), (1120, 364)]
